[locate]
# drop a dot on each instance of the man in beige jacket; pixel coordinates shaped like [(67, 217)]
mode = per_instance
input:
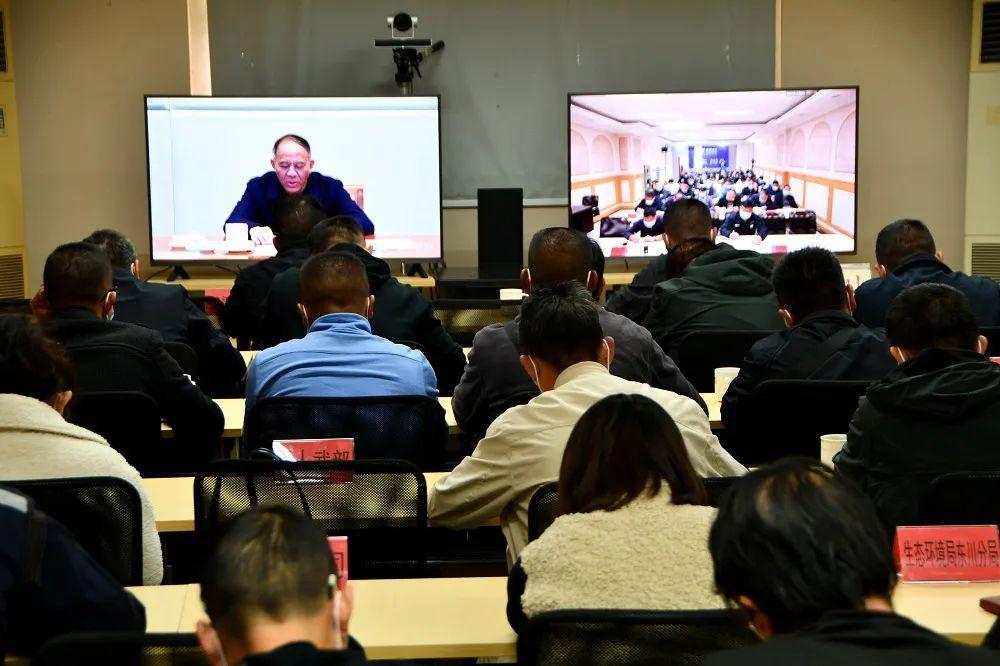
[(565, 354)]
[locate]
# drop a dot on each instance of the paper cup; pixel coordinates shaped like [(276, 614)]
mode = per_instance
[(829, 446), (237, 231), (723, 378), (511, 294)]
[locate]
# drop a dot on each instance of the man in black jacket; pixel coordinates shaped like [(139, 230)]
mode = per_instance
[(167, 310), (802, 553), (494, 382), (938, 412), (295, 215), (744, 222), (76, 303), (906, 256), (822, 340), (402, 314)]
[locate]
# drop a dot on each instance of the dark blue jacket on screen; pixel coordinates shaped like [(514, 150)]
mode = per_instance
[(874, 296), (256, 207)]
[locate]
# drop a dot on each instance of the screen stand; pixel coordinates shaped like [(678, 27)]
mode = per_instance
[(227, 269), (178, 272), (415, 269)]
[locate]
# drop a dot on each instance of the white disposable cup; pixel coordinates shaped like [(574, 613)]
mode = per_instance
[(237, 231), (723, 378), (511, 294), (829, 446)]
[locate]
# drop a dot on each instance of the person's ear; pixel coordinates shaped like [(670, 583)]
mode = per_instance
[(983, 344), (528, 368), (786, 317), (312, 163), (208, 639), (897, 354), (345, 608), (370, 308), (592, 281), (303, 315), (713, 233), (59, 401), (109, 303), (760, 623), (607, 352), (273, 165), (134, 268), (526, 280), (940, 256), (880, 269), (852, 304)]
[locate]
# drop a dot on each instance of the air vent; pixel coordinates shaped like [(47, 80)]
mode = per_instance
[(11, 276), (3, 46), (989, 44), (986, 260)]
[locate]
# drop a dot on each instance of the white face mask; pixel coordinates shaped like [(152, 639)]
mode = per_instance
[(745, 215), (649, 224), (649, 202)]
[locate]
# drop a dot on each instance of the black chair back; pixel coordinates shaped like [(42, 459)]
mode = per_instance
[(185, 357), (15, 306), (962, 498), (608, 637), (802, 222), (463, 318), (129, 420), (380, 505), (992, 334), (717, 487), (385, 427), (211, 306), (121, 648), (542, 509), (794, 413), (699, 354), (103, 514)]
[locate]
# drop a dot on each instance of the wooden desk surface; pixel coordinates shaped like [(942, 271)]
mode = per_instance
[(950, 609), (200, 284)]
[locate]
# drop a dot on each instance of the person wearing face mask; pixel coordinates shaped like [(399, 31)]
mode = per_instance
[(651, 200), (271, 595), (744, 223), (339, 356), (787, 198), (766, 201), (566, 354), (76, 303), (648, 229), (292, 164)]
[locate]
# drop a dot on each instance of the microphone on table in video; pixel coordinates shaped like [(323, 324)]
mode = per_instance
[(407, 51)]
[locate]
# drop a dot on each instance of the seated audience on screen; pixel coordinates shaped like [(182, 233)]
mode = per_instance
[(76, 302), (493, 379), (167, 310), (728, 200), (765, 200), (567, 355), (648, 229), (50, 585), (802, 553), (295, 215), (631, 507), (787, 198), (938, 412), (822, 340), (744, 222), (651, 200), (339, 357), (271, 595), (774, 192), (403, 314), (36, 384), (906, 256)]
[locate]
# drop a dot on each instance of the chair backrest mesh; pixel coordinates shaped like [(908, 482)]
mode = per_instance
[(185, 357), (129, 420), (211, 306), (699, 354), (398, 427), (121, 648), (104, 514), (607, 637), (542, 509), (380, 505), (962, 498), (463, 318)]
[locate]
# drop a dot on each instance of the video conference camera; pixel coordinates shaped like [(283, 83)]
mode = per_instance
[(407, 50)]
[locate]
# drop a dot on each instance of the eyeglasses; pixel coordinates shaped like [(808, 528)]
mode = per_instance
[(285, 167)]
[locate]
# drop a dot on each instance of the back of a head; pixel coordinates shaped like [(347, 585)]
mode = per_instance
[(76, 275), (333, 231), (900, 240), (333, 282), (270, 564), (560, 325), (931, 315), (809, 280), (622, 447), (799, 541), (294, 217), (31, 364), (558, 254), (120, 251), (687, 219)]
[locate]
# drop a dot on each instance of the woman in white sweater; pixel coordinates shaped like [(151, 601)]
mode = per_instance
[(633, 526), (37, 443)]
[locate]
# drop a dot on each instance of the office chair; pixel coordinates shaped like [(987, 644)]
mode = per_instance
[(185, 357), (383, 427), (15, 306), (961, 498), (463, 318), (380, 505), (129, 420), (717, 487), (211, 306), (700, 353), (120, 648), (103, 514), (607, 637), (542, 509)]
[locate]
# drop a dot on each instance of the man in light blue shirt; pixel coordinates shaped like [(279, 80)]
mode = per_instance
[(339, 357)]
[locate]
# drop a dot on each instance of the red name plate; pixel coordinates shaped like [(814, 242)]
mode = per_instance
[(995, 359), (221, 294), (316, 449), (338, 546), (948, 553)]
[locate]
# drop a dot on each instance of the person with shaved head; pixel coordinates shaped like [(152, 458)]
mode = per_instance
[(339, 356)]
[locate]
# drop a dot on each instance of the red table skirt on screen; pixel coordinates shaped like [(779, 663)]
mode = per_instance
[(185, 248)]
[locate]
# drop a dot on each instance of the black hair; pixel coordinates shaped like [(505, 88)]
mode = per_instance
[(799, 541), (270, 562), (560, 324), (294, 217), (622, 447), (809, 280), (557, 254), (335, 230), (76, 275), (931, 315), (333, 282), (649, 211), (680, 256), (31, 364), (900, 240), (120, 251), (687, 219), (291, 137)]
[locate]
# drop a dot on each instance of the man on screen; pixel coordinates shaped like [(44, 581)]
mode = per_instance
[(647, 229), (292, 163), (744, 222)]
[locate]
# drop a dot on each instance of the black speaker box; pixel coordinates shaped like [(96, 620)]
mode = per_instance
[(501, 229)]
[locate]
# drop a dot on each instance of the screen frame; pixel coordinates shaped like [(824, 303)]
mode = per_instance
[(857, 134), (216, 260)]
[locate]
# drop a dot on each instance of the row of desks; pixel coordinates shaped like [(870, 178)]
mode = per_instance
[(443, 618)]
